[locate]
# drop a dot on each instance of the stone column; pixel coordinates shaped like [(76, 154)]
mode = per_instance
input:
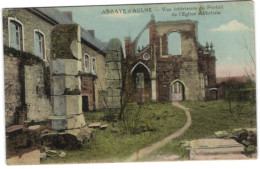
[(114, 73), (153, 90), (66, 82)]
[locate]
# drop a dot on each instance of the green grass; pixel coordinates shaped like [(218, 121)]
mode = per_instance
[(114, 144), (207, 118), (109, 145)]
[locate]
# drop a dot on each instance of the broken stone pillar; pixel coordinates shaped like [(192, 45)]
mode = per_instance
[(66, 82), (113, 73)]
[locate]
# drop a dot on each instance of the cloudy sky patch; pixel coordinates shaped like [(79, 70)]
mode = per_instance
[(233, 25)]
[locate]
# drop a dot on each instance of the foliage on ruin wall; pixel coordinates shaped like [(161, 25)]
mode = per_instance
[(28, 59), (62, 36)]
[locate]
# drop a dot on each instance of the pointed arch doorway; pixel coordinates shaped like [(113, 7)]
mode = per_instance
[(177, 91), (141, 74)]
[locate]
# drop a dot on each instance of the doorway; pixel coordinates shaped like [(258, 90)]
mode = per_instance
[(177, 91), (85, 107)]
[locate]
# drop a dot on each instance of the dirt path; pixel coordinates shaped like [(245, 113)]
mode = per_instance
[(147, 150)]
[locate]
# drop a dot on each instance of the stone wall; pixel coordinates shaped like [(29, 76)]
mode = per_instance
[(102, 98), (38, 104), (168, 70), (189, 75), (113, 73), (190, 68), (87, 89), (188, 37), (12, 88), (100, 83), (30, 23)]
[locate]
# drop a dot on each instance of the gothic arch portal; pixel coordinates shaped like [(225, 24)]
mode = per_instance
[(141, 75), (177, 90)]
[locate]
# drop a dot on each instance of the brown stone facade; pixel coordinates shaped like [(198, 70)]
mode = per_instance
[(96, 79), (88, 92), (190, 74)]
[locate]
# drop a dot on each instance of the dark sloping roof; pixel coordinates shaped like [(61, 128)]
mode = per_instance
[(86, 36)]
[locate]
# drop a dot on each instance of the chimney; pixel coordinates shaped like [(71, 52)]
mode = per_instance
[(92, 32), (68, 14), (127, 45)]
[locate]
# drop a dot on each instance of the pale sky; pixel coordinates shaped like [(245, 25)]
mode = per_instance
[(231, 31)]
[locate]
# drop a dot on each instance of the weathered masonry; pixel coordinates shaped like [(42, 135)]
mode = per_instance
[(169, 64), (41, 83)]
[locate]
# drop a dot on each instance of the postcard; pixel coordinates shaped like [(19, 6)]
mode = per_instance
[(130, 83)]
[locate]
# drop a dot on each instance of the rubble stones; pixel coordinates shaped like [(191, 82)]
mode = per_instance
[(104, 126), (62, 154), (83, 134), (43, 156), (35, 127), (86, 133), (94, 125), (70, 139), (221, 134), (245, 136), (14, 128), (51, 153), (61, 141)]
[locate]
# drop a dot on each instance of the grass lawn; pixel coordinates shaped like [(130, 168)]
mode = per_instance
[(207, 118), (114, 144)]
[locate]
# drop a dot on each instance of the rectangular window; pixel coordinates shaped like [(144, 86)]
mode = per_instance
[(94, 65), (39, 44), (15, 35), (86, 62)]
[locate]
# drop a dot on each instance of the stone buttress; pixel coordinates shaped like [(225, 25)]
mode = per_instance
[(66, 83)]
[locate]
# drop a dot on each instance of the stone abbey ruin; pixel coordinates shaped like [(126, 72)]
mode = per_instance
[(55, 70)]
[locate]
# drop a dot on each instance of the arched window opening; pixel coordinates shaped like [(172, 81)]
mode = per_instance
[(174, 43), (177, 91), (86, 62), (39, 47), (143, 41), (93, 65), (16, 36)]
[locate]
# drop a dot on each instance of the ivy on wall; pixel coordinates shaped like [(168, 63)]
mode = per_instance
[(28, 59), (62, 36)]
